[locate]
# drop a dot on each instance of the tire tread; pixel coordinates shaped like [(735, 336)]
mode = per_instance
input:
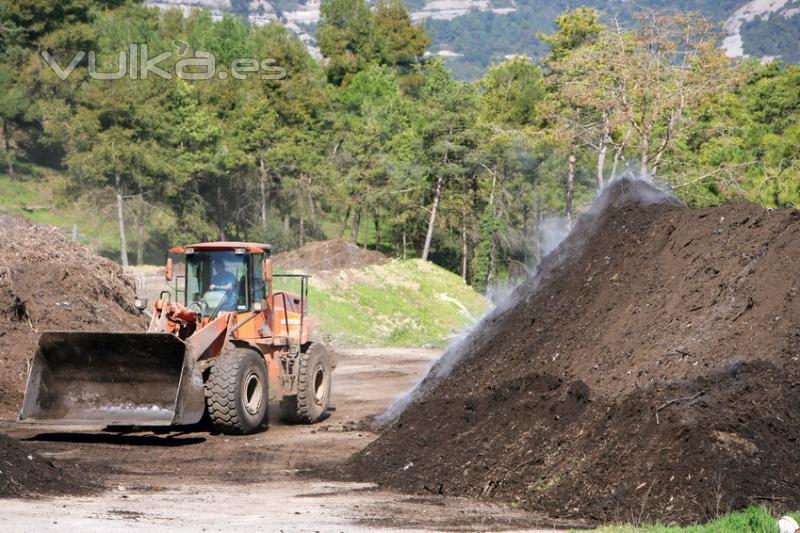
[(297, 409), (222, 386)]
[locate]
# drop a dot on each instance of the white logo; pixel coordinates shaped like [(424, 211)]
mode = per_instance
[(137, 64)]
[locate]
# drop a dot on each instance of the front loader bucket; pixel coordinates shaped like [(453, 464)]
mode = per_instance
[(143, 379)]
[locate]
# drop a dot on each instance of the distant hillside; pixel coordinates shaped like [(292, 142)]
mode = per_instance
[(473, 34)]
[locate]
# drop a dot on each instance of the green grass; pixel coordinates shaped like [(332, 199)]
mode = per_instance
[(400, 303), (38, 199), (750, 520)]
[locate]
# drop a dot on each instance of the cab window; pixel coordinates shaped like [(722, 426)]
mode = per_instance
[(217, 281)]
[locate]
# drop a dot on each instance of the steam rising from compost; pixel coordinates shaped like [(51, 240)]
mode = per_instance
[(551, 234), (552, 231)]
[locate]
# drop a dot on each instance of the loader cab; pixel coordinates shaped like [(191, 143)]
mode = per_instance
[(224, 277)]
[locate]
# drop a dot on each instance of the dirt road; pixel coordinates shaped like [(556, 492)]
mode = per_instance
[(195, 481)]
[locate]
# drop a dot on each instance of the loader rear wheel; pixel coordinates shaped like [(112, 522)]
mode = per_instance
[(237, 394), (313, 387)]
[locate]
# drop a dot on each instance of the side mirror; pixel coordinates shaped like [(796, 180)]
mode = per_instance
[(267, 270), (168, 271)]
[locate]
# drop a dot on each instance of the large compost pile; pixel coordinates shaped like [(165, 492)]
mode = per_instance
[(335, 254), (49, 282), (648, 372)]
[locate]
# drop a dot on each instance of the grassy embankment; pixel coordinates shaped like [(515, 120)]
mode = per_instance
[(39, 199), (750, 520), (400, 303)]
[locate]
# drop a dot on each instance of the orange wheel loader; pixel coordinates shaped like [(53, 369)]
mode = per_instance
[(229, 347)]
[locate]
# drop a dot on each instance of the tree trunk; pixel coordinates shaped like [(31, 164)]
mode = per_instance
[(654, 168), (354, 226), (310, 197), (220, 210), (645, 155), (376, 222), (569, 188), (140, 231), (344, 222), (366, 237), (302, 229), (492, 262), (437, 195), (493, 247), (9, 155), (601, 156), (405, 245), (263, 184), (491, 194), (617, 155), (286, 224), (618, 152), (537, 242), (464, 246), (123, 246)]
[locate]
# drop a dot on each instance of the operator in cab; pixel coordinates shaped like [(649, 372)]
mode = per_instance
[(224, 281)]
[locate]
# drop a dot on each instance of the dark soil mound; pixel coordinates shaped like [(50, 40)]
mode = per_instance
[(48, 282), (648, 372), (25, 473), (328, 255)]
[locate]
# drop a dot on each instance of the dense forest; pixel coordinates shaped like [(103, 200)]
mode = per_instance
[(378, 144), (762, 37)]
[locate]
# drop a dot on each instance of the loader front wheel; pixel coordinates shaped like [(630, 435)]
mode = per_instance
[(310, 405), (237, 394)]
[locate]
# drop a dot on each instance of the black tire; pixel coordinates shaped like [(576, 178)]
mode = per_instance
[(313, 387), (238, 392)]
